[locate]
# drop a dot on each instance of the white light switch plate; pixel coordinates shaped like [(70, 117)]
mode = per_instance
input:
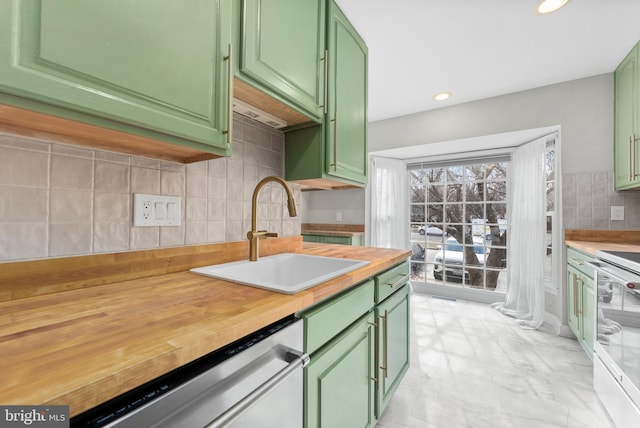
[(617, 212), (156, 210)]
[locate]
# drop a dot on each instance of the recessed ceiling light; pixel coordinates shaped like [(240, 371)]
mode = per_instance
[(442, 96), (548, 6)]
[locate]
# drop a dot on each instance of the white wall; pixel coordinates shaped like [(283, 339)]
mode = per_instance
[(322, 206), (583, 108)]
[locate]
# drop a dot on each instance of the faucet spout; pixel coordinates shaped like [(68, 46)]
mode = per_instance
[(255, 235)]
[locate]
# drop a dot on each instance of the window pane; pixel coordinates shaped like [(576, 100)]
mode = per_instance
[(454, 213), (496, 191), (454, 192), (417, 213), (551, 196), (459, 234), (435, 193), (496, 171)]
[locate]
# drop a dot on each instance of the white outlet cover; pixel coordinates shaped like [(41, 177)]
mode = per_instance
[(156, 210), (617, 212)]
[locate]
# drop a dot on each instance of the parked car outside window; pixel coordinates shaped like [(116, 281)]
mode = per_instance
[(430, 230), (448, 261)]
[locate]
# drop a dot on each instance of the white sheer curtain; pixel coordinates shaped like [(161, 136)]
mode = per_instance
[(388, 202), (526, 240)]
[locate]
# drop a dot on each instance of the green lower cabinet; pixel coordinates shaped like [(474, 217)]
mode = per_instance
[(312, 238), (359, 352), (155, 69), (581, 298), (339, 381), (573, 300), (329, 239), (588, 313), (393, 345)]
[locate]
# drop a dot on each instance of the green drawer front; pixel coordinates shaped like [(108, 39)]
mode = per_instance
[(390, 281), (578, 259), (342, 240), (325, 321), (311, 238)]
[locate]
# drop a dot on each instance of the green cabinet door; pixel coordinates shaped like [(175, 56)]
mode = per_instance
[(626, 151), (334, 154), (588, 313), (339, 381), (581, 298), (393, 345), (573, 300), (282, 49), (347, 115), (153, 68)]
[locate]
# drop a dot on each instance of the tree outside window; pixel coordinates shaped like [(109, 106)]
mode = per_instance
[(459, 223)]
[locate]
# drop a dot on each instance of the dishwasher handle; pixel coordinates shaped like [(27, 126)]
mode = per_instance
[(617, 275), (297, 361)]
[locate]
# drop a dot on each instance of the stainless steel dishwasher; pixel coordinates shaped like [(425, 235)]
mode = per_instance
[(254, 382)]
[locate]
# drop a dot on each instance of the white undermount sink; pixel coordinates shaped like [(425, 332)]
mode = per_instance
[(286, 273)]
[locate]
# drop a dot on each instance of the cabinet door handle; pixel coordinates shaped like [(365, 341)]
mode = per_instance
[(403, 278), (334, 165), (378, 331), (386, 343), (228, 58), (631, 160), (325, 88), (634, 174), (575, 295), (578, 262)]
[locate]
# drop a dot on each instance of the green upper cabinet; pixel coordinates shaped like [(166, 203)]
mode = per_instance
[(334, 154), (156, 68), (627, 123), (347, 113), (282, 51)]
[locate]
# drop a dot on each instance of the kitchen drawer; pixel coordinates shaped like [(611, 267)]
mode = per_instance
[(391, 280), (578, 260), (326, 320)]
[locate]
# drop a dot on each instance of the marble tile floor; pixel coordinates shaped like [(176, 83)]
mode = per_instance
[(472, 367)]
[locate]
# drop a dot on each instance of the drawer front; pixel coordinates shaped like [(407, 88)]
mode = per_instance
[(391, 280), (342, 240), (578, 259), (325, 321)]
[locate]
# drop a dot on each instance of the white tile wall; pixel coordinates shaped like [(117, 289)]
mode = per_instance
[(60, 200)]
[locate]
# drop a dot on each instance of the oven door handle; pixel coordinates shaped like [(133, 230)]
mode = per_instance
[(599, 267), (298, 361)]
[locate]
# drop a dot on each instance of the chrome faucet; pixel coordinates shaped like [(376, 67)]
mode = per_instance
[(255, 235)]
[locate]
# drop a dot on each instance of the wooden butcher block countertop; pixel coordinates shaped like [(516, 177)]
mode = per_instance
[(591, 241), (104, 336)]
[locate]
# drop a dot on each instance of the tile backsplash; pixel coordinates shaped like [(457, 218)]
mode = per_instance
[(61, 200), (587, 199)]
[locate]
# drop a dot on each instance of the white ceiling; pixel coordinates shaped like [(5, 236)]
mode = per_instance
[(479, 49)]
